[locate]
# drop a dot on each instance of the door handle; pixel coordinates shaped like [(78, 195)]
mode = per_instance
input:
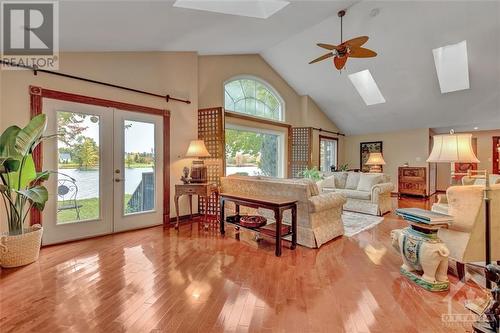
[(117, 180)]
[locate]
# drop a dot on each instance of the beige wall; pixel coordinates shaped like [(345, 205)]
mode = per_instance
[(181, 74), (215, 70), (410, 146), (484, 154), (173, 73)]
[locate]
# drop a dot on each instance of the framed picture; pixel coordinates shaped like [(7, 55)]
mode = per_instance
[(365, 148)]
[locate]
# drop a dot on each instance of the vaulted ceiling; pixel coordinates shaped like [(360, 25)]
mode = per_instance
[(403, 33)]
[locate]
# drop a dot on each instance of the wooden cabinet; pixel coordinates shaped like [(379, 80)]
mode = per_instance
[(412, 181)]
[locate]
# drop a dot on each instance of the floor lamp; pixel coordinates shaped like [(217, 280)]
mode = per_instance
[(457, 148)]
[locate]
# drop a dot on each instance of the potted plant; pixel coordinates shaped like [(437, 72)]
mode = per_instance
[(21, 190), (312, 173)]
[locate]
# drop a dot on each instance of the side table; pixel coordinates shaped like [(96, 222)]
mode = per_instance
[(202, 190)]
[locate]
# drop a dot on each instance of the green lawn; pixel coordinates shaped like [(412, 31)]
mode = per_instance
[(89, 210)]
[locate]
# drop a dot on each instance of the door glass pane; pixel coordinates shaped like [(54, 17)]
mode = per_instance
[(253, 153), (328, 154), (139, 161), (78, 167)]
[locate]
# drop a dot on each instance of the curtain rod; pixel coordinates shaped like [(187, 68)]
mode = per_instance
[(327, 131), (36, 70)]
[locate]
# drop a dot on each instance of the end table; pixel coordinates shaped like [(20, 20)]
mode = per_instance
[(202, 190)]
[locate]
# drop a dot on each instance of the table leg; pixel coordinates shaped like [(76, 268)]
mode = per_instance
[(222, 216), (237, 207), (277, 216), (191, 210), (177, 211), (294, 227), (205, 223)]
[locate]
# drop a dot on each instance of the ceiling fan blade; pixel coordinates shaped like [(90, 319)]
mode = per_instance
[(323, 57), (361, 52), (358, 41), (340, 62), (327, 46)]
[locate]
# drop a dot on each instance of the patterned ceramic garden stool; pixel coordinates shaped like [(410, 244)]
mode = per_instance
[(425, 256)]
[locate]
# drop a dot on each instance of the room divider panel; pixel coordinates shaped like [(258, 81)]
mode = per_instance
[(211, 131), (301, 153)]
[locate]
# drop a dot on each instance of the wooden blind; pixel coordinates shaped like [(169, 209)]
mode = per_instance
[(301, 150), (211, 131)]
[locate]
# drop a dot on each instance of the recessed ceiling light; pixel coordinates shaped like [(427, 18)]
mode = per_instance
[(367, 87), (251, 8), (452, 67), (476, 128)]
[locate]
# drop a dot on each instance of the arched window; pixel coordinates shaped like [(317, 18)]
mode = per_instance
[(253, 97)]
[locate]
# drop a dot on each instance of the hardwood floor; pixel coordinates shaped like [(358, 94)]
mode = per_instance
[(164, 281)]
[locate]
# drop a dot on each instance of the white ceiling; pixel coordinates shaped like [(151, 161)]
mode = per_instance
[(403, 34)]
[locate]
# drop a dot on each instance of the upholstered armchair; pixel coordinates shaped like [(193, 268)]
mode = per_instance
[(465, 236)]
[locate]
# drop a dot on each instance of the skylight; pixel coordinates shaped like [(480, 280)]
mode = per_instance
[(452, 67), (367, 87), (252, 8)]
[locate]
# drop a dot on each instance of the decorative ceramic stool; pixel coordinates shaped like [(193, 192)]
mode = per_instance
[(425, 256)]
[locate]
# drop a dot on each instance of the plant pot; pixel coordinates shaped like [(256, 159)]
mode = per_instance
[(20, 250)]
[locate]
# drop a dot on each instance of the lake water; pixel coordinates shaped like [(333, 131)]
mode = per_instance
[(88, 181)]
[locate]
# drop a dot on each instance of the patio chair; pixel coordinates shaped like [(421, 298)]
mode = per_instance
[(67, 192)]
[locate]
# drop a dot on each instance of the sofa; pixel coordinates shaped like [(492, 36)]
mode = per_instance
[(318, 214), (465, 237), (441, 206), (368, 193)]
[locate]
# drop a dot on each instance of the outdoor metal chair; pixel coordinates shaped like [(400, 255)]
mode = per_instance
[(67, 192)]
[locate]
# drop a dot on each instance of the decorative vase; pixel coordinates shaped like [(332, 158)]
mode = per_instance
[(20, 250)]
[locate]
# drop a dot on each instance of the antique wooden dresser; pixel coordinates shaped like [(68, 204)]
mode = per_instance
[(412, 181)]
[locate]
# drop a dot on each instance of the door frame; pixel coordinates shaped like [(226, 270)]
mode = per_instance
[(37, 94)]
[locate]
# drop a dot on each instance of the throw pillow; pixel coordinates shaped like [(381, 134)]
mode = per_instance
[(368, 180), (340, 179), (311, 184), (328, 182), (352, 180)]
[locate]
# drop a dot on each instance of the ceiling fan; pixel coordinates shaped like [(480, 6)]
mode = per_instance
[(349, 49)]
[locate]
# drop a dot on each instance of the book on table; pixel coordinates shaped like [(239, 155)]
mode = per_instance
[(423, 216)]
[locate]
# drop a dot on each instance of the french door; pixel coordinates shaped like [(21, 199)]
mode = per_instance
[(108, 171)]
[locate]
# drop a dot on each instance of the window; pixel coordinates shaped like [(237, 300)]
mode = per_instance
[(254, 151), (253, 97), (327, 153)]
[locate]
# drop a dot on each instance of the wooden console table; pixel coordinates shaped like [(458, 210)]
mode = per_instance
[(276, 204), (203, 190)]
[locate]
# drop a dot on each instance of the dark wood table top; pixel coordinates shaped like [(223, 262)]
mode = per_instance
[(261, 199)]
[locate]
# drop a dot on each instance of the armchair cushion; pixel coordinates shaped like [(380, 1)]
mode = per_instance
[(354, 194), (368, 180), (325, 201)]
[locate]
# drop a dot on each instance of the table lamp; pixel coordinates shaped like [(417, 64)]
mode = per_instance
[(198, 149), (375, 161)]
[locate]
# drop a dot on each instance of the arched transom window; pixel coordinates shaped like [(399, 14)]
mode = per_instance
[(253, 97)]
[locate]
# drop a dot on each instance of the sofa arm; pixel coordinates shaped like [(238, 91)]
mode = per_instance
[(380, 189), (324, 201)]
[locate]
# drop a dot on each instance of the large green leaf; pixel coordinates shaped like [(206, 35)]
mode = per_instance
[(28, 174), (37, 195), (29, 136), (8, 143)]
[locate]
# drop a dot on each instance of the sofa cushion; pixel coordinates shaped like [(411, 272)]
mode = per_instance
[(352, 180), (368, 180), (355, 194)]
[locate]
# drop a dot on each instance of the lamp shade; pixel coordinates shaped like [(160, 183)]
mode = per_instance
[(375, 159), (452, 148), (197, 148)]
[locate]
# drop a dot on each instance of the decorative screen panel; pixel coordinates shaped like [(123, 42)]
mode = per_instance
[(301, 150), (211, 131)]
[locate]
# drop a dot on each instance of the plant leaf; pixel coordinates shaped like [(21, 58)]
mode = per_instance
[(28, 137), (28, 174), (42, 176), (37, 195), (8, 143)]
